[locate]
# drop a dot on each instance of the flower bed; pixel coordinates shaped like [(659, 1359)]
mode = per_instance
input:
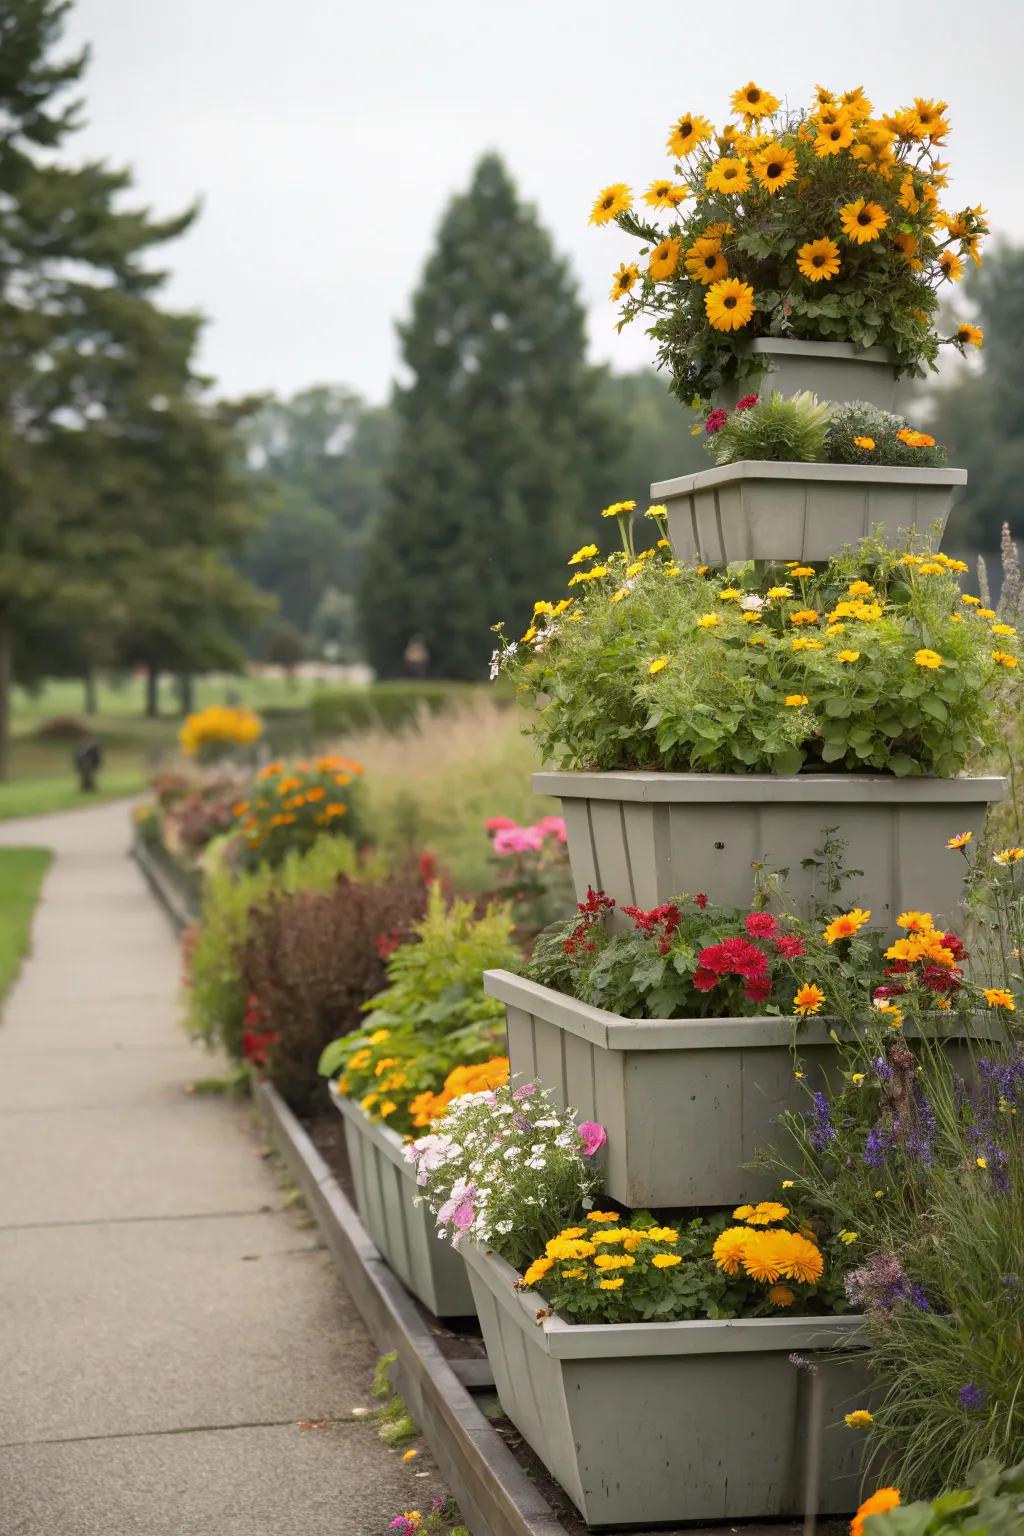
[(647, 1422)]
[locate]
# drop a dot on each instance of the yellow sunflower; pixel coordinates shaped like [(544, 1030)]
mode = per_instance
[(908, 247), (862, 221), (665, 258), (818, 260), (752, 102), (623, 281), (729, 304), (969, 335), (775, 167), (833, 138), (727, 175), (611, 202), (665, 194), (951, 265), (930, 115), (705, 261), (686, 133)]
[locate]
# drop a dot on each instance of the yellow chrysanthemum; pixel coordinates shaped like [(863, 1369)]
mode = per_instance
[(729, 1248), (537, 1270), (818, 260), (611, 1285), (774, 167), (927, 658), (729, 304), (809, 999), (795, 700), (999, 997), (666, 194), (619, 509), (915, 922), (862, 221), (686, 133), (705, 262), (665, 258), (614, 1261), (781, 1295), (611, 202), (585, 552), (848, 657), (708, 621), (1004, 659), (666, 1260), (752, 102), (623, 280)]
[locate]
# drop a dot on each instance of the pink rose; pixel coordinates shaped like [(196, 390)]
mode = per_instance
[(593, 1136)]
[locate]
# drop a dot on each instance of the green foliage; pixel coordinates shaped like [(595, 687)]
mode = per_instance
[(432, 1016), (21, 875), (992, 1506), (790, 428), (979, 413), (502, 437), (859, 419), (929, 1174), (216, 994), (663, 667), (381, 706)]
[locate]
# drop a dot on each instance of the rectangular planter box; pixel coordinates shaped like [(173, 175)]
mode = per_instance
[(649, 1422), (644, 838), (833, 370), (385, 1187), (755, 510), (686, 1102)]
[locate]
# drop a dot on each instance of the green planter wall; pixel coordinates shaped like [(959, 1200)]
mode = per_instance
[(833, 370), (762, 511), (646, 837), (650, 1422), (385, 1188)]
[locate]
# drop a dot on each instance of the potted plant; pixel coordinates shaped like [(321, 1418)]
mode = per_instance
[(808, 246), (799, 477), (689, 1034), (684, 1330), (700, 724), (433, 1034)]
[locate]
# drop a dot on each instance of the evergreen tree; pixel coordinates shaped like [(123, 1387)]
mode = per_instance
[(503, 445), (109, 462), (979, 416)]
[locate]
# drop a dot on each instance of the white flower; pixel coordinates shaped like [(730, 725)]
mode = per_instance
[(751, 603), (546, 1125), (495, 666)]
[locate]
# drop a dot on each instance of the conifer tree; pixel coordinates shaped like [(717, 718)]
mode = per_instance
[(109, 459), (503, 444)]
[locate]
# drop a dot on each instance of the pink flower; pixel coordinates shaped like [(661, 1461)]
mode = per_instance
[(747, 403), (463, 1218), (593, 1136), (515, 839), (716, 420), (760, 925), (554, 826)]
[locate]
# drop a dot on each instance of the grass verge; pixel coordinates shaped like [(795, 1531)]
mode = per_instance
[(21, 875), (39, 796)]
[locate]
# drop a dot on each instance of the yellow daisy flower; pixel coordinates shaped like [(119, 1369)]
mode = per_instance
[(611, 202), (818, 260), (729, 304)]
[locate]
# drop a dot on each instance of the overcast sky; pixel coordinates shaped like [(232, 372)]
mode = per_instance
[(325, 137)]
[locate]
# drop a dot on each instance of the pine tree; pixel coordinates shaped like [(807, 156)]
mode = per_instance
[(503, 444), (109, 460)]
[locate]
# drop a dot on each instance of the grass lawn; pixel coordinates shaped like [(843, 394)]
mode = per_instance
[(21, 874), (38, 795), (126, 700)]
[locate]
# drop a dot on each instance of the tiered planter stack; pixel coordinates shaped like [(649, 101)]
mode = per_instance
[(684, 1421)]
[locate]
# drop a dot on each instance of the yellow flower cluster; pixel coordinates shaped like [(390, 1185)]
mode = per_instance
[(217, 726), (849, 178), (477, 1078), (597, 1252), (769, 1255), (293, 802)]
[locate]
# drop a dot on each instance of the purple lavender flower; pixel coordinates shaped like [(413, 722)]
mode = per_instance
[(822, 1130), (919, 1299), (882, 1068), (878, 1284), (972, 1398), (875, 1147), (921, 1130)]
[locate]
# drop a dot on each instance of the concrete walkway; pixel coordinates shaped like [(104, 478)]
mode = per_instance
[(165, 1326)]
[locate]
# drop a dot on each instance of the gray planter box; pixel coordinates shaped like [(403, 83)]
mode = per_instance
[(649, 1422), (385, 1187), (686, 1102), (833, 370), (755, 510), (646, 837)]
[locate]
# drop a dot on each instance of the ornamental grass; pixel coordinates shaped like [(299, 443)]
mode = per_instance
[(824, 223), (874, 662)]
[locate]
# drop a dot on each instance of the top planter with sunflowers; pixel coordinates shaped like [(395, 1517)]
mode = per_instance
[(821, 227)]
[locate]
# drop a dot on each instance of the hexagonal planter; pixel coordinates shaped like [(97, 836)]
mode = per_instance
[(646, 837), (755, 510), (833, 370), (686, 1102), (385, 1187), (644, 1423)]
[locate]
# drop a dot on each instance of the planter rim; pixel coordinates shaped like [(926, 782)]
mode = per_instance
[(807, 788), (704, 1336), (794, 470), (616, 1033), (790, 346), (390, 1143)]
